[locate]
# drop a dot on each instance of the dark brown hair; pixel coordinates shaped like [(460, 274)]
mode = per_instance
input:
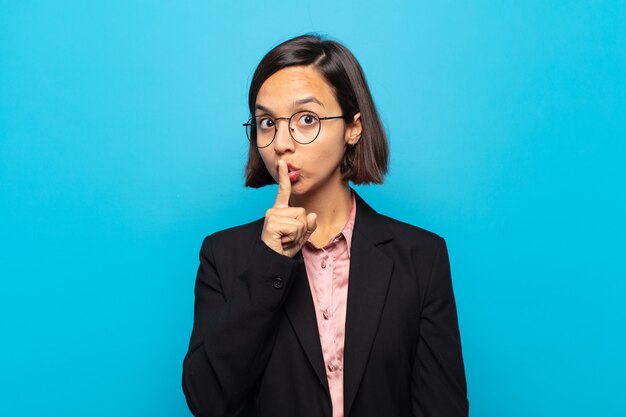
[(364, 163)]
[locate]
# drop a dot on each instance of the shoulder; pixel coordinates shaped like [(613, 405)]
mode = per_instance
[(411, 233), (381, 227), (401, 238), (223, 242), (421, 245)]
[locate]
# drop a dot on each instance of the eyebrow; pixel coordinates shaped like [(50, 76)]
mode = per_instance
[(296, 103)]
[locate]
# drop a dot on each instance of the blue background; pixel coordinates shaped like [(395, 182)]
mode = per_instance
[(121, 147)]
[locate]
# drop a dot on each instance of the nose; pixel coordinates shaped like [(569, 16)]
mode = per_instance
[(283, 142)]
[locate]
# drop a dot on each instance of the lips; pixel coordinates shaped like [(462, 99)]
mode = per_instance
[(294, 173)]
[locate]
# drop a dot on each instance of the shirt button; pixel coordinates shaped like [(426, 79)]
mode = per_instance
[(323, 264), (278, 283), (325, 314), (331, 367)]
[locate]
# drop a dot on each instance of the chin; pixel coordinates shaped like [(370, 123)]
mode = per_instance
[(303, 187), (297, 188)]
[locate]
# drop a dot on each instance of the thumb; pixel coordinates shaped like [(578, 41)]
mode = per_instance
[(311, 224)]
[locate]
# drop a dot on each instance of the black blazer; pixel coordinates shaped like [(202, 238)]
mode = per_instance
[(255, 348)]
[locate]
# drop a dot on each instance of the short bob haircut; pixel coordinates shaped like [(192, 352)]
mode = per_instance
[(364, 163)]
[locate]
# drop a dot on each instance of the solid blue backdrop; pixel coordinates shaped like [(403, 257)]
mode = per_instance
[(121, 147)]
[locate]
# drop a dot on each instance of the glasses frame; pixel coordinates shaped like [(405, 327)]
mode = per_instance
[(276, 119)]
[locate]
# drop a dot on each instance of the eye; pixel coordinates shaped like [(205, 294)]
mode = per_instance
[(307, 119), (265, 122)]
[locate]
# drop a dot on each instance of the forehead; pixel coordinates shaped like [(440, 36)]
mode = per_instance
[(284, 87)]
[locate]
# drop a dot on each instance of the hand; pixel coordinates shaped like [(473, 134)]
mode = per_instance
[(286, 229)]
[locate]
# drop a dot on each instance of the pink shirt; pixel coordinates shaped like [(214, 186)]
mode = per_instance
[(327, 269)]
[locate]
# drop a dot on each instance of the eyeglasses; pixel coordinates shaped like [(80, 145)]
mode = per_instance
[(304, 127)]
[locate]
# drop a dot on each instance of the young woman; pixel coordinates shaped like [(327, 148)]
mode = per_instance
[(323, 307)]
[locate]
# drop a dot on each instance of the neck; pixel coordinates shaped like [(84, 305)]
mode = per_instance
[(332, 207)]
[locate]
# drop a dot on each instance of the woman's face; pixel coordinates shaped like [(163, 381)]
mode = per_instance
[(315, 165)]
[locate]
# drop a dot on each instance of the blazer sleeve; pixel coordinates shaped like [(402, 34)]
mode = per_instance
[(235, 322), (438, 384)]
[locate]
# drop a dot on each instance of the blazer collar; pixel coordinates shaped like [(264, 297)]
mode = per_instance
[(369, 223), (369, 277), (370, 274)]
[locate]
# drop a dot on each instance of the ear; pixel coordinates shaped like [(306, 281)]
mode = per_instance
[(354, 130)]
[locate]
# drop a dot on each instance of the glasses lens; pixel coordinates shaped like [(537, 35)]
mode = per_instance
[(263, 130), (305, 126)]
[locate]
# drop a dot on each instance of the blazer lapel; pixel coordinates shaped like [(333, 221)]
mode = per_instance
[(301, 314), (370, 273)]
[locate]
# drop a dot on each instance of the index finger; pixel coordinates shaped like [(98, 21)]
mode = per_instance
[(284, 185)]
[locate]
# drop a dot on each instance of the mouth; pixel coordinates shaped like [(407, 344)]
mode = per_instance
[(294, 173)]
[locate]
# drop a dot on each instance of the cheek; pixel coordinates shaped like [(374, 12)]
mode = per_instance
[(333, 148), (330, 155)]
